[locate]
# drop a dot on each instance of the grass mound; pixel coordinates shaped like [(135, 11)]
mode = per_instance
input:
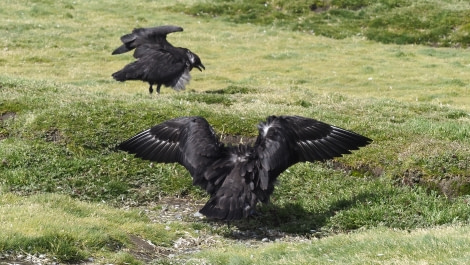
[(434, 23)]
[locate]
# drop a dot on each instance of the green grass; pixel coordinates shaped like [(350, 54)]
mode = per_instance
[(71, 230), (63, 115), (444, 245), (436, 23)]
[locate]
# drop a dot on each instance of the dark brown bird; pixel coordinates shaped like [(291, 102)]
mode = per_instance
[(237, 177), (158, 62)]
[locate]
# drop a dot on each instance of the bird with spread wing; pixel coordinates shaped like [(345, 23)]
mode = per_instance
[(238, 177), (157, 61)]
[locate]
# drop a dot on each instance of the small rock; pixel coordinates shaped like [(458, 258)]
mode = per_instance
[(198, 215)]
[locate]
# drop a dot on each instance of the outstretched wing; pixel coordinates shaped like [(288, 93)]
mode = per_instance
[(286, 140), (151, 37), (190, 141)]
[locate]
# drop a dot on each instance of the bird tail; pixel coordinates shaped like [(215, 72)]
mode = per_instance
[(120, 76), (228, 208), (129, 72), (234, 200)]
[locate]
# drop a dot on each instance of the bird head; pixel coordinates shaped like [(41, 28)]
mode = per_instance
[(195, 61)]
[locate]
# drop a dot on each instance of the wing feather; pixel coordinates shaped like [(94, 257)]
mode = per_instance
[(189, 141), (323, 151), (150, 149), (154, 38), (335, 145), (286, 140)]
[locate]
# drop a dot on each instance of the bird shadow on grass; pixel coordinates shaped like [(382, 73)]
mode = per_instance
[(291, 219)]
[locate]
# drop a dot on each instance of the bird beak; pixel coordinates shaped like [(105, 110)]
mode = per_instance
[(199, 67)]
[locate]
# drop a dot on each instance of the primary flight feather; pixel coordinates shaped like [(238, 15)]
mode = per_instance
[(237, 177)]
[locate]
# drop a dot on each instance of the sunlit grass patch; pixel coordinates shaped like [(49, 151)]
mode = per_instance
[(71, 230), (400, 22), (441, 245)]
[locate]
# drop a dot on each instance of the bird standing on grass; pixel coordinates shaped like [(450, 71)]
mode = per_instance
[(237, 177), (158, 62)]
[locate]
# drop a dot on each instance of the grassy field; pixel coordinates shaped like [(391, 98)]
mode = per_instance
[(68, 195), (430, 22)]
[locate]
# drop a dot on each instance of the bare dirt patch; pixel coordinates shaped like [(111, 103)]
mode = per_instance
[(53, 135), (212, 233), (3, 117), (451, 186), (231, 139), (7, 115)]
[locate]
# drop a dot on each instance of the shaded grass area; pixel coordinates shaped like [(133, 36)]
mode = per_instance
[(435, 23)]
